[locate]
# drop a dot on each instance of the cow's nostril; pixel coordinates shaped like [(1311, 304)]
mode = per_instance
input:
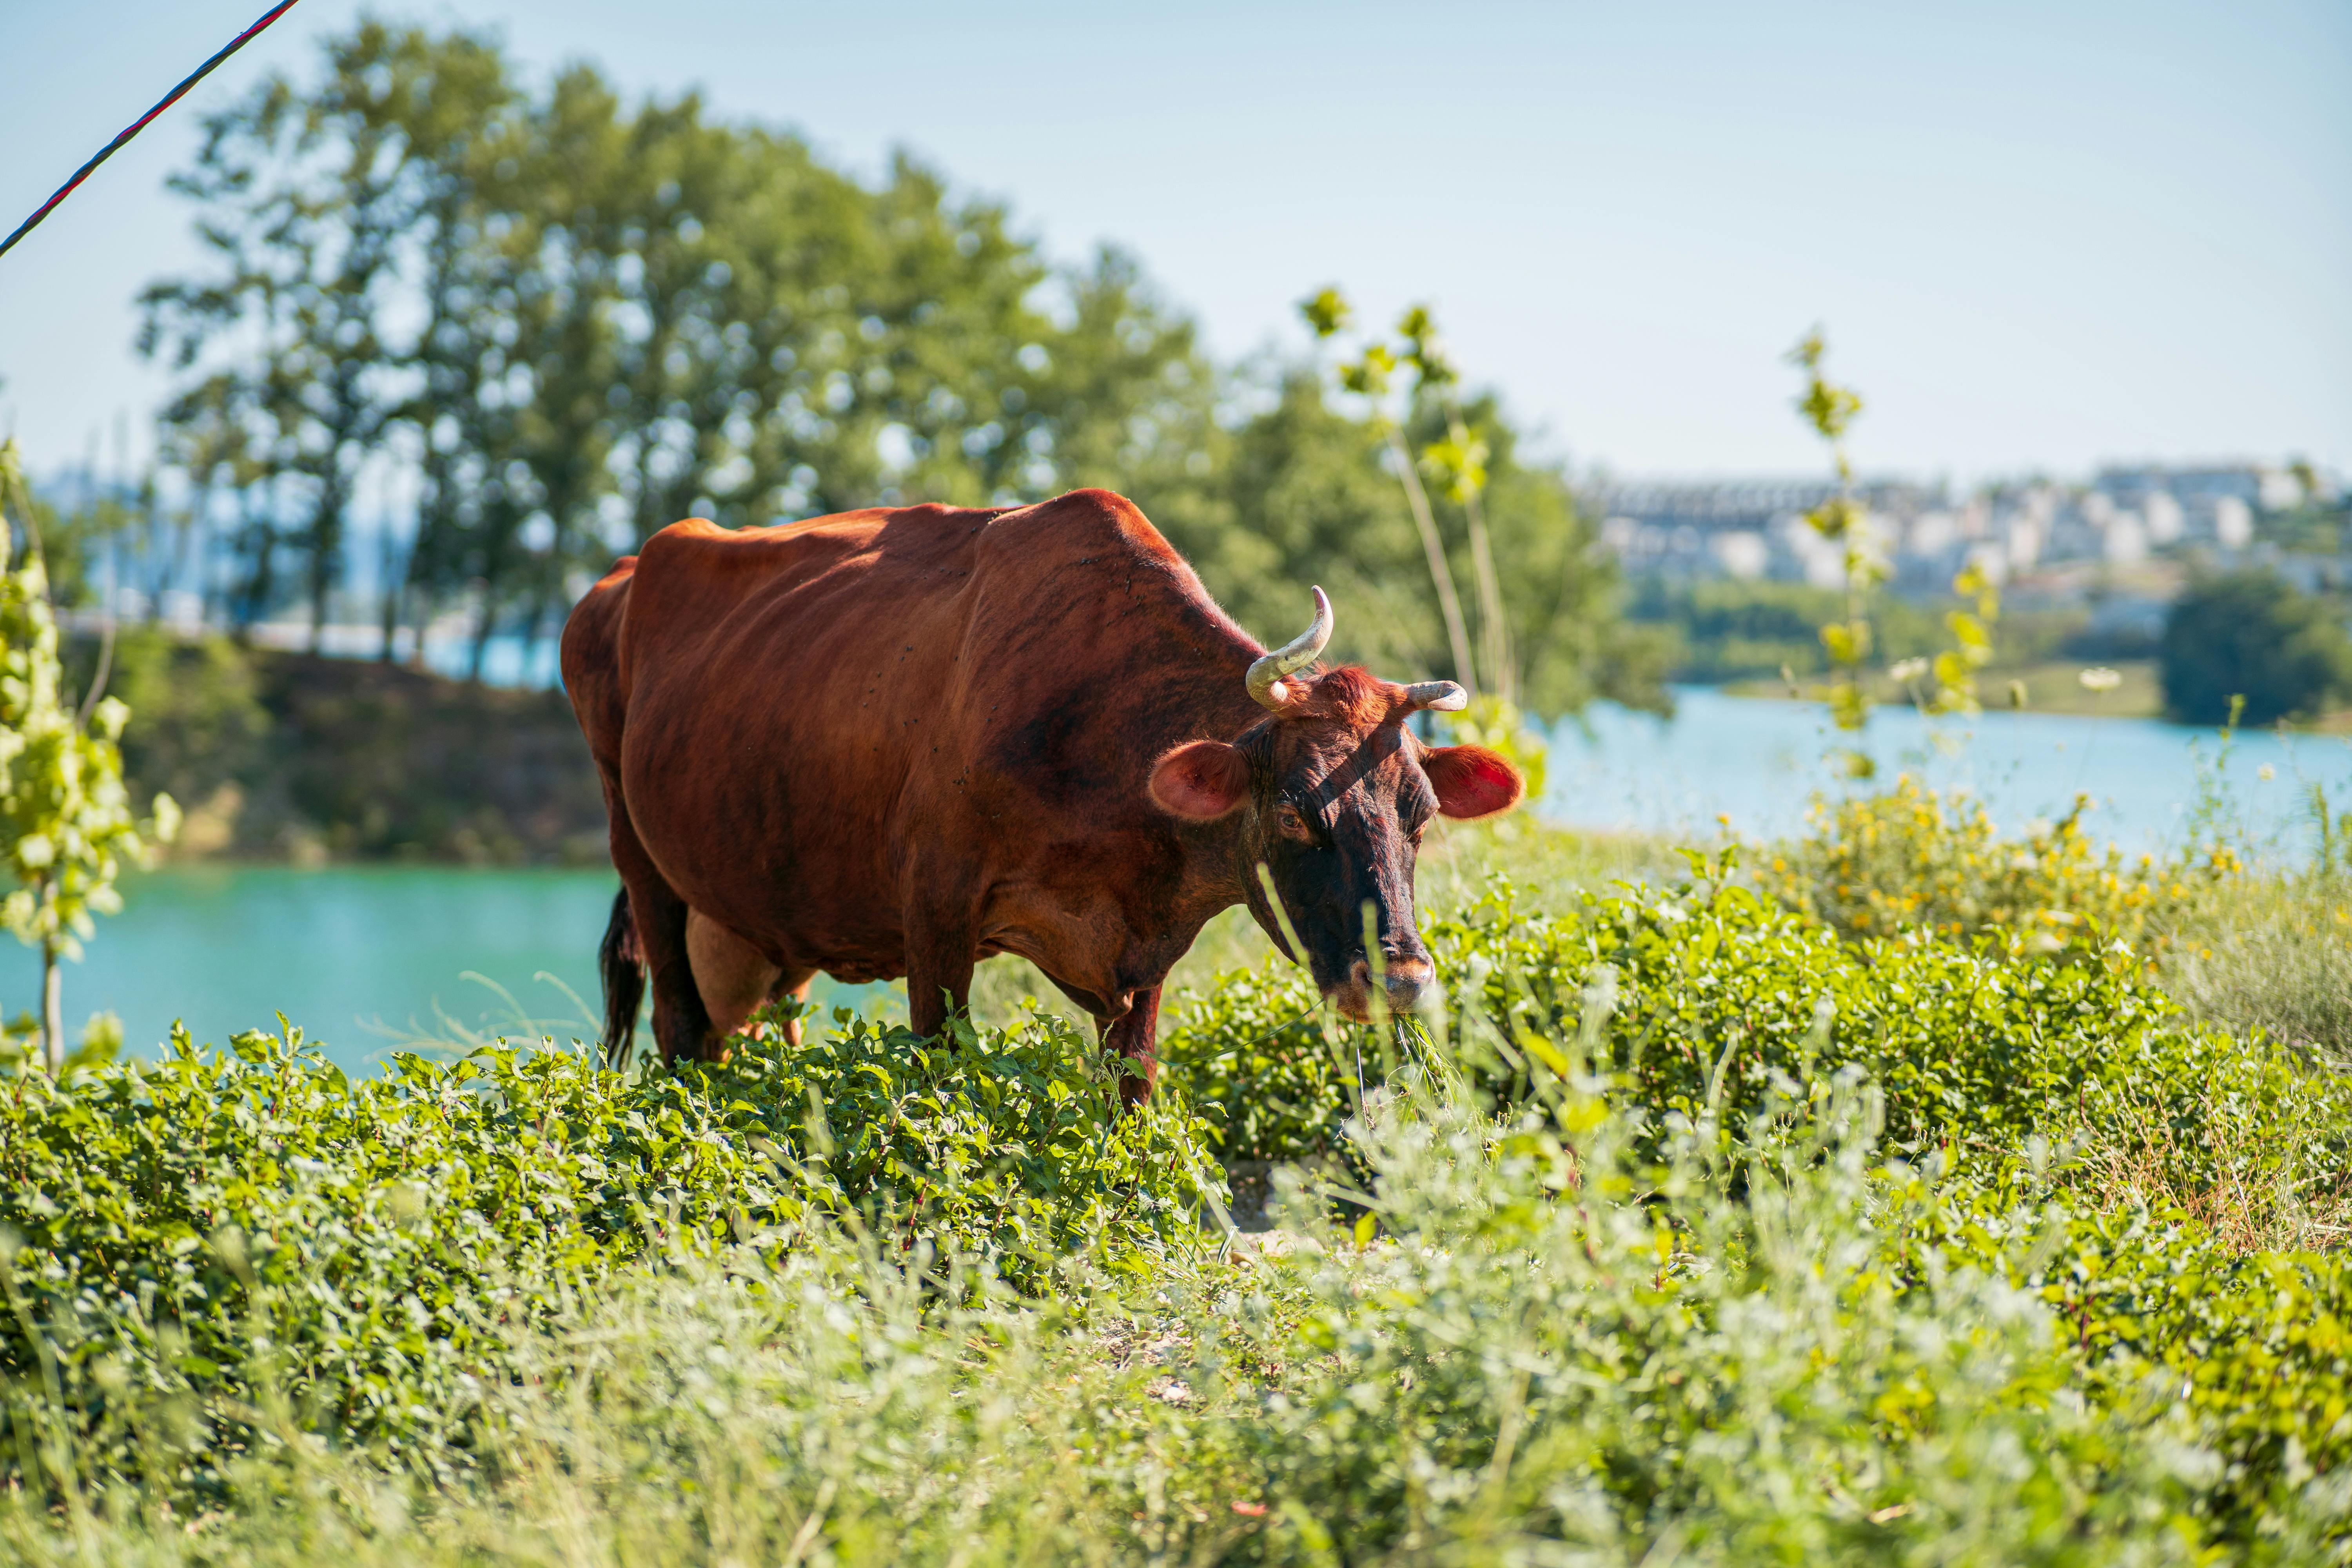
[(1403, 978), (1407, 978)]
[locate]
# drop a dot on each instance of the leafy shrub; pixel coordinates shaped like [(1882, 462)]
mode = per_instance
[(180, 1228), (2251, 636), (1562, 1357), (1254, 1054), (1907, 860), (2161, 1315), (1709, 994), (1781, 1245), (1682, 1292)]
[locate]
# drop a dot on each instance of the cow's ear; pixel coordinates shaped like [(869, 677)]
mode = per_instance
[(1201, 782), (1472, 781)]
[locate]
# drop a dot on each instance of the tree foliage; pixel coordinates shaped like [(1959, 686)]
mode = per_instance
[(553, 322), (2256, 636), (569, 322)]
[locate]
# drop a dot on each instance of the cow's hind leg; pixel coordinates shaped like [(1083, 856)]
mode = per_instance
[(681, 1026), (793, 987)]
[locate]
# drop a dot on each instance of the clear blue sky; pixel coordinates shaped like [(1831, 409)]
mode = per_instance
[(2042, 236)]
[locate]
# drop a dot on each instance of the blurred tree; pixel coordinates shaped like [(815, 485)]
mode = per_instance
[(306, 205), (1300, 498), (1562, 594), (610, 317), (1303, 493), (457, 114), (2251, 634), (628, 317)]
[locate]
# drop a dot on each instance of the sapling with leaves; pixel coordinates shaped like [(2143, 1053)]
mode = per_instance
[(1831, 410), (1367, 377), (1945, 684), (66, 824), (1458, 461)]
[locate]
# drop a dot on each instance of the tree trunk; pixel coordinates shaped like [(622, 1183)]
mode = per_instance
[(395, 592), (1494, 631), (1449, 603), (422, 607), (53, 1009), (482, 630)]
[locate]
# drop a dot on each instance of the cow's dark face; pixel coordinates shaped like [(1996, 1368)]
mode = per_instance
[(1331, 796)]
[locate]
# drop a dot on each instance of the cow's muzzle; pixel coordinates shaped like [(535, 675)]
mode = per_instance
[(1404, 978)]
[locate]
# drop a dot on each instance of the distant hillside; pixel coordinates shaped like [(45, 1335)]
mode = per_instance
[(280, 756)]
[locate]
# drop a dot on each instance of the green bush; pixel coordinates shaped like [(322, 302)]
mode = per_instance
[(1542, 1366), (201, 724), (2165, 1316), (2254, 636), (1254, 1054), (1710, 990), (180, 1228), (1908, 859), (1783, 1348)]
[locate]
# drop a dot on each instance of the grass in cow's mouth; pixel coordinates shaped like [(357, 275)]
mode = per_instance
[(1690, 1228)]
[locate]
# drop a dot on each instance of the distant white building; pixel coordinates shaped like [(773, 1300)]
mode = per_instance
[(2212, 503), (1751, 529), (1757, 528)]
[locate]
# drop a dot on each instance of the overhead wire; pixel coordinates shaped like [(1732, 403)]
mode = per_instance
[(141, 123)]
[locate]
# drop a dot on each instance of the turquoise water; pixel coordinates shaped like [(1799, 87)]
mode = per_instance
[(1759, 763), (370, 960), (365, 960)]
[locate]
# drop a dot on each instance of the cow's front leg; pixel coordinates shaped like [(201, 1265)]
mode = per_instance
[(1134, 1035), (940, 962)]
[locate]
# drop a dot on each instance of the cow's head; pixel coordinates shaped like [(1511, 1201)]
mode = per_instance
[(1330, 792)]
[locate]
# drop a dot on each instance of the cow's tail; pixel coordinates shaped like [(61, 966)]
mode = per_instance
[(622, 971)]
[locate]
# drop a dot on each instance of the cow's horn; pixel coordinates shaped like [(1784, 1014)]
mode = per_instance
[(1265, 675), (1442, 695)]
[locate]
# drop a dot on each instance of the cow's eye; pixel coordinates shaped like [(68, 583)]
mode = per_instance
[(1292, 823)]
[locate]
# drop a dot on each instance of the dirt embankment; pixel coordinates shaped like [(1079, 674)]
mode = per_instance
[(280, 756)]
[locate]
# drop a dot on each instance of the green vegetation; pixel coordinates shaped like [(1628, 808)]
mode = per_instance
[(2253, 637), (66, 822), (1690, 1223), (286, 756), (1908, 859), (632, 314), (169, 1220), (1830, 409)]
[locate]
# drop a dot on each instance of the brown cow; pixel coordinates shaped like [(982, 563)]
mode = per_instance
[(898, 742)]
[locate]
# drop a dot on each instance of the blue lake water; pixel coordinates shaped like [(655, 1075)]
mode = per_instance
[(1761, 763), (365, 960), (368, 960)]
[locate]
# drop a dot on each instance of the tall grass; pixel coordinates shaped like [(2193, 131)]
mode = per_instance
[(2275, 955)]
